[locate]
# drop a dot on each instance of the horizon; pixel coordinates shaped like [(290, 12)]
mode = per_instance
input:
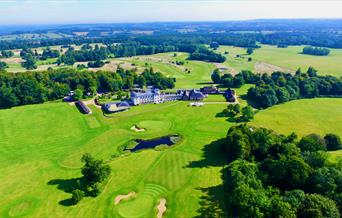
[(48, 12)]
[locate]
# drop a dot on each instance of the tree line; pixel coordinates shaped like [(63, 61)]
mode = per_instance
[(272, 175), (38, 87), (281, 87)]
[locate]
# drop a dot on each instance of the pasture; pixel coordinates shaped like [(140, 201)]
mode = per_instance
[(270, 58), (41, 147)]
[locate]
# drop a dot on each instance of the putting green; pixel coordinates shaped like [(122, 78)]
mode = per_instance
[(139, 207), (154, 125)]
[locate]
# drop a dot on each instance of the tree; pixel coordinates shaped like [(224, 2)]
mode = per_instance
[(215, 76), (333, 142), (141, 81), (287, 173), (237, 145), (3, 65), (312, 72), (233, 110), (282, 94), (94, 171), (238, 81), (315, 205), (214, 45), (315, 159), (78, 94), (312, 142), (30, 62), (77, 196), (249, 51), (7, 54), (95, 189), (247, 113), (7, 97)]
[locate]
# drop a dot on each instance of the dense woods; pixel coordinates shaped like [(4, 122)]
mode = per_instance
[(273, 175), (281, 87), (316, 51), (38, 87)]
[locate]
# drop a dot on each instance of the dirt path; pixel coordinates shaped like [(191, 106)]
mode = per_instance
[(87, 102), (161, 207), (119, 198)]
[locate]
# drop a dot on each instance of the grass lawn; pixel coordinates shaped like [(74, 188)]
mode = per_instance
[(41, 147), (288, 58), (320, 115)]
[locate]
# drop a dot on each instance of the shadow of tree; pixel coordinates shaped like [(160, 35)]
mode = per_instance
[(67, 185), (213, 202), (249, 101), (205, 83), (213, 155), (236, 119)]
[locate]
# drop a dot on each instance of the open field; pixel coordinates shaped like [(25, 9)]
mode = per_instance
[(266, 59), (271, 58), (320, 115), (199, 75), (41, 146)]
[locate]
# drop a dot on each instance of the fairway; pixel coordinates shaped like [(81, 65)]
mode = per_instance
[(42, 145), (200, 72)]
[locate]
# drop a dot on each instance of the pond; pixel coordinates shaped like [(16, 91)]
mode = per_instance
[(152, 143)]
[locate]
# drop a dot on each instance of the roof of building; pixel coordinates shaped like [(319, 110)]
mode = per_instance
[(146, 93), (196, 94), (83, 107)]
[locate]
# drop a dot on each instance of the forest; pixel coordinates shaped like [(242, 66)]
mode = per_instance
[(281, 87), (38, 87), (272, 175)]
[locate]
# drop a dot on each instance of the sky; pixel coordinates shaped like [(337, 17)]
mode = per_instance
[(22, 12)]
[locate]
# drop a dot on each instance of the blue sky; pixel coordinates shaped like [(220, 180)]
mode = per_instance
[(108, 11)]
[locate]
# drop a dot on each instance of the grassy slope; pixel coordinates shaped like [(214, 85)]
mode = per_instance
[(286, 57), (320, 115), (41, 146), (200, 71)]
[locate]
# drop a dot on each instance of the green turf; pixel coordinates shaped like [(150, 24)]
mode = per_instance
[(41, 147), (200, 71), (320, 115)]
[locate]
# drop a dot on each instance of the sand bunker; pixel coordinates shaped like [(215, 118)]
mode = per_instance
[(119, 198), (137, 129), (161, 207)]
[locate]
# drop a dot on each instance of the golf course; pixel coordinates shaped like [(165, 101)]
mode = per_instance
[(42, 144)]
